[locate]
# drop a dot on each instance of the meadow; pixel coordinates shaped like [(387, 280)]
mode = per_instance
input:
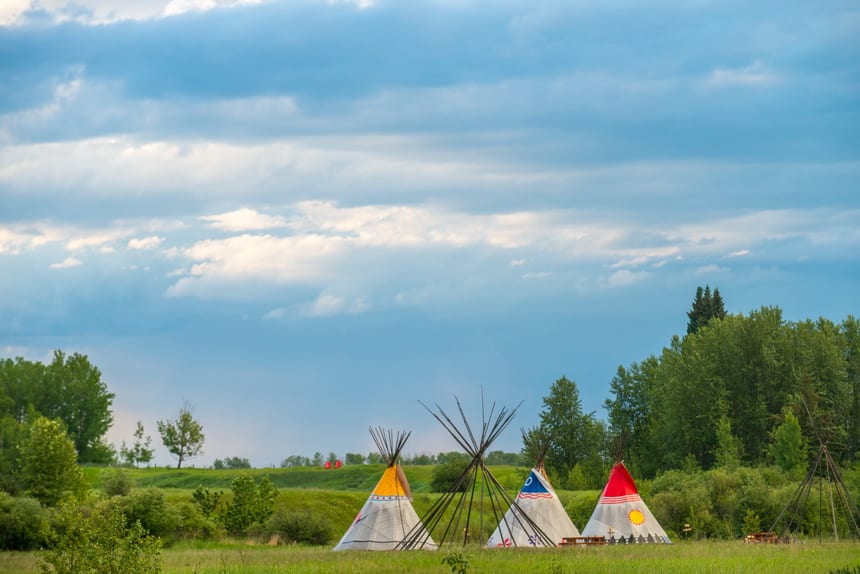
[(681, 557), (339, 494)]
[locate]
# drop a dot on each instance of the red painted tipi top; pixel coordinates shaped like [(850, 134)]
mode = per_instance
[(620, 487)]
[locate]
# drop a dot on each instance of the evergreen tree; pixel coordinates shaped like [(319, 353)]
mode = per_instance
[(706, 306)]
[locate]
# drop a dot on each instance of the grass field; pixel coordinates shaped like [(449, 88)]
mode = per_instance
[(676, 558), (339, 494)]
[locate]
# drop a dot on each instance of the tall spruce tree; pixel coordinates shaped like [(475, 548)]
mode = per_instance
[(706, 306)]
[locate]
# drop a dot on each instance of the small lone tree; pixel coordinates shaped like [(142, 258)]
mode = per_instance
[(140, 451), (182, 437)]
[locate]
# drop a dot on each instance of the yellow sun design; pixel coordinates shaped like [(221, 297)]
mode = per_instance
[(636, 517)]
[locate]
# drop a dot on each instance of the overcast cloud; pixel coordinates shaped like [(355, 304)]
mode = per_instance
[(304, 216)]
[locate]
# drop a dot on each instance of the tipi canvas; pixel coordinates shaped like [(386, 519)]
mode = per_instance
[(537, 500), (388, 515), (621, 516)]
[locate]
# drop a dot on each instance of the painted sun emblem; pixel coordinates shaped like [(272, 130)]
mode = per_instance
[(636, 517)]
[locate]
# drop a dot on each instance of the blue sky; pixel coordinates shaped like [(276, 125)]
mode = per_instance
[(303, 217)]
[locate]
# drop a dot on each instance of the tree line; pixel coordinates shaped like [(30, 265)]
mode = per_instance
[(737, 389)]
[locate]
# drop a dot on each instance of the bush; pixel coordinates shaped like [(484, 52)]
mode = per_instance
[(100, 543), (116, 482), (148, 507), (252, 503), (445, 475), (294, 526), (22, 521)]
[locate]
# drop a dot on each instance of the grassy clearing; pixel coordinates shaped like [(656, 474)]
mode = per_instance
[(677, 558)]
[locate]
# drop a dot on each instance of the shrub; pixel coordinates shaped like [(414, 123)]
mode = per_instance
[(297, 526), (116, 482), (148, 507), (101, 543), (445, 475), (22, 521), (252, 503)]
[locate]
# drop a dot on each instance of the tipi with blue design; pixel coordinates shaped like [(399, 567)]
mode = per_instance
[(536, 518)]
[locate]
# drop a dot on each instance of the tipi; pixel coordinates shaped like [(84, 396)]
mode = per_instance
[(458, 514), (388, 515), (537, 500), (621, 515)]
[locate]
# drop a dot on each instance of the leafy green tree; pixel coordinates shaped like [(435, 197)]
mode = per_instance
[(49, 464), (629, 413), (103, 543), (140, 451), (850, 334), (354, 458), (75, 393), (574, 432), (70, 389), (232, 462), (728, 452), (788, 447), (295, 461), (183, 437), (252, 503)]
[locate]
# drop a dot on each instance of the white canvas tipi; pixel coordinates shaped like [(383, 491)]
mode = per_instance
[(388, 515), (536, 517), (539, 502), (621, 515)]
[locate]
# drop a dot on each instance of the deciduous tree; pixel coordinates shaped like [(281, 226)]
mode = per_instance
[(183, 437), (49, 463)]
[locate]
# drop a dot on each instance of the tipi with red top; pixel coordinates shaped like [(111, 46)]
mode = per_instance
[(621, 515)]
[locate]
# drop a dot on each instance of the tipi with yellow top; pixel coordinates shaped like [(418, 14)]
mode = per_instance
[(388, 515)]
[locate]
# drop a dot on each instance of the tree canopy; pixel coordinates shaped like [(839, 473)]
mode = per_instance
[(723, 391), (69, 389)]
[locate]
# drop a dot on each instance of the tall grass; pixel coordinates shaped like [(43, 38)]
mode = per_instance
[(714, 557)]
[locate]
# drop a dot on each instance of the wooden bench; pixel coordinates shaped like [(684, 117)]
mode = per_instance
[(762, 538), (582, 540)]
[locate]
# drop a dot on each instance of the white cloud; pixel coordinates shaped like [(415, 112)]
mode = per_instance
[(327, 304), (537, 275), (624, 277), (711, 269), (517, 262), (274, 313), (753, 75), (739, 253), (244, 220), (67, 263), (97, 12), (145, 243)]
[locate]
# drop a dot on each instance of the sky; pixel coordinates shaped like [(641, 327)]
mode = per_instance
[(303, 217)]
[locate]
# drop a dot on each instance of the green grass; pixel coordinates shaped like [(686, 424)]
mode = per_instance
[(349, 478), (704, 557)]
